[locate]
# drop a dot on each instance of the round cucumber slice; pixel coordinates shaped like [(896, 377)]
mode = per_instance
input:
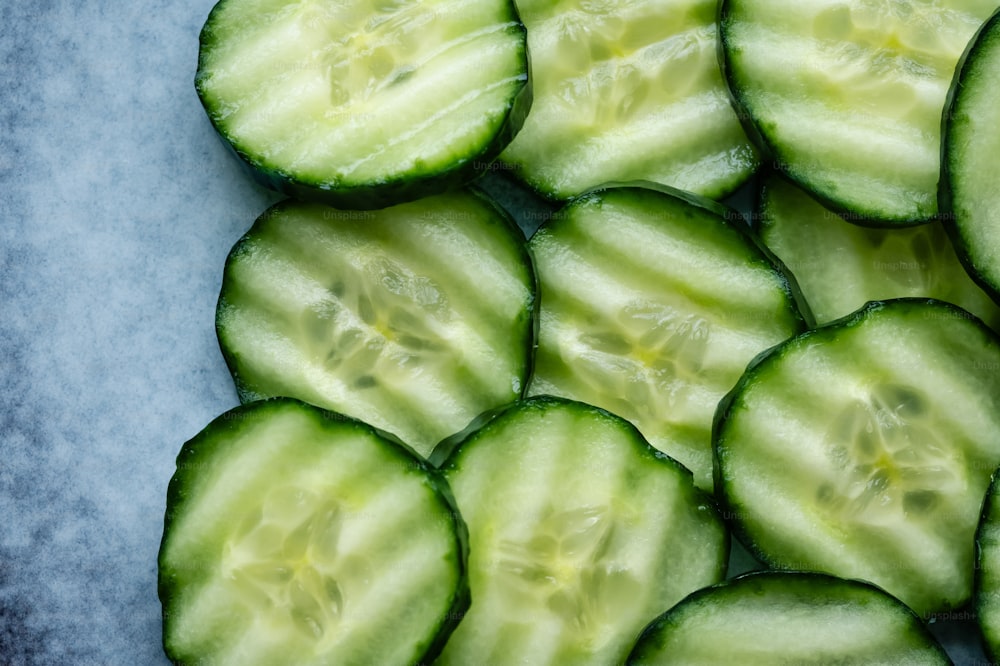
[(364, 104), (969, 196), (414, 318), (298, 536), (863, 449), (788, 618), (653, 302), (627, 90), (846, 97), (580, 533)]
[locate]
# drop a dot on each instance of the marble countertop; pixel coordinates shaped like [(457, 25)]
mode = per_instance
[(118, 206)]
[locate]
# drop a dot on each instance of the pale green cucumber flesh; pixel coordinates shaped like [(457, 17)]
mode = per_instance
[(580, 533), (364, 104), (840, 266), (788, 619), (294, 535), (651, 308), (414, 318), (863, 449), (625, 91), (846, 97)]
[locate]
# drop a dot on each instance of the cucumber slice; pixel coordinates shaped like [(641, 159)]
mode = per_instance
[(579, 534), (863, 449), (846, 96), (297, 536), (840, 266), (772, 618), (364, 104), (652, 305), (969, 197), (987, 578), (414, 318), (627, 90)]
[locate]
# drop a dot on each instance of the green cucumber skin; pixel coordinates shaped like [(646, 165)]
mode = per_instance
[(373, 196), (247, 393), (645, 648), (990, 645), (197, 452), (946, 203), (731, 511)]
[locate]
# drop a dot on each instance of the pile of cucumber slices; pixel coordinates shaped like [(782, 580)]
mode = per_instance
[(471, 440)]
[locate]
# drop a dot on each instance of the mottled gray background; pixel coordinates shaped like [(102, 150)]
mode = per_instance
[(117, 208)]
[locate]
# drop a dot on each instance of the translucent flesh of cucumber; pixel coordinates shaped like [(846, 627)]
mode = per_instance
[(414, 318), (851, 101), (293, 543), (862, 453), (791, 619), (840, 266), (577, 533), (972, 146), (654, 317), (627, 91), (353, 93)]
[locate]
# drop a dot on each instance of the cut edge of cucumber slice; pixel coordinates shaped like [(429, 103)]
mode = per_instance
[(405, 187), (946, 199)]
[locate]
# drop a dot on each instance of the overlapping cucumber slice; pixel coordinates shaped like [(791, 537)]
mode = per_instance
[(969, 194), (627, 90), (298, 536), (771, 618), (987, 579), (580, 533), (863, 448), (414, 318), (840, 266), (846, 96), (653, 302), (364, 104)]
